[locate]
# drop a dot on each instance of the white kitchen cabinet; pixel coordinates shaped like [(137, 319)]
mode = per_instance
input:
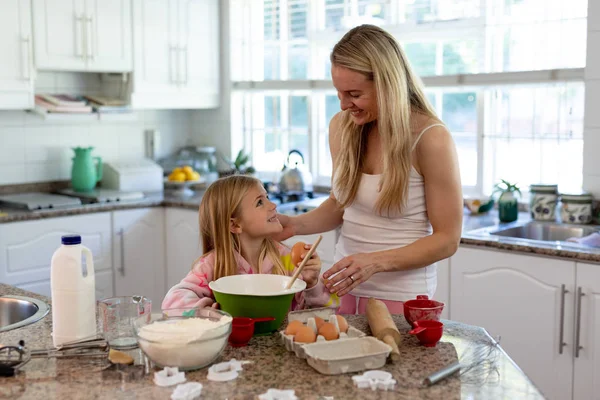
[(183, 243), (83, 35), (587, 331), (326, 249), (176, 54), (528, 302), (26, 249), (16, 68), (442, 292), (139, 253)]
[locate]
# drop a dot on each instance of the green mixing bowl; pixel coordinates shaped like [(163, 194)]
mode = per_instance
[(256, 296)]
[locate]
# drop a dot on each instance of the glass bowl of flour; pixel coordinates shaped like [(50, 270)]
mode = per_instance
[(186, 338)]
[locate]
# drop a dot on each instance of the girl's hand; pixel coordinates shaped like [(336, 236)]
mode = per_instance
[(288, 228), (352, 270), (311, 271), (215, 305)]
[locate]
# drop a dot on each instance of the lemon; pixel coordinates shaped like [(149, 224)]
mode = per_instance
[(195, 176), (176, 170), (187, 169), (177, 177), (189, 175)]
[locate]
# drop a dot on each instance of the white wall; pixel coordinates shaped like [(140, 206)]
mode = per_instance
[(35, 150), (591, 125)]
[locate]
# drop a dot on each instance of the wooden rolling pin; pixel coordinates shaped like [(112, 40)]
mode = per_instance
[(383, 326)]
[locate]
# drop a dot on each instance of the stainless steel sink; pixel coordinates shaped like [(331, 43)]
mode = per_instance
[(546, 231), (537, 232), (18, 311)]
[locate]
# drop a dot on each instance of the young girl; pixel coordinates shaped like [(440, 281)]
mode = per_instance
[(237, 221)]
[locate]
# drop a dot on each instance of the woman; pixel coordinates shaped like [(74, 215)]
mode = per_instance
[(396, 187)]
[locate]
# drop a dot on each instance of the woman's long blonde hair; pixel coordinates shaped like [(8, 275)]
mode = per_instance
[(220, 203), (371, 51)]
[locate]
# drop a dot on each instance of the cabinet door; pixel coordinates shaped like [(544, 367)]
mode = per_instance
[(139, 255), (199, 52), (183, 243), (442, 292), (26, 248), (108, 35), (16, 82), (155, 53), (520, 299), (587, 360), (59, 35)]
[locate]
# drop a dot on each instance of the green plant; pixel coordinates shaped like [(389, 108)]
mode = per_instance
[(239, 163), (506, 187)]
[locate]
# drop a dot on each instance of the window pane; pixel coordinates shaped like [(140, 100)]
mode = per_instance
[(460, 57), (299, 141), (334, 12), (421, 57), (298, 18), (272, 111), (419, 11), (299, 112), (271, 18), (298, 62), (272, 63)]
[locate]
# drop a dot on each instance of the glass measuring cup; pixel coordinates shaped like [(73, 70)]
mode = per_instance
[(116, 315)]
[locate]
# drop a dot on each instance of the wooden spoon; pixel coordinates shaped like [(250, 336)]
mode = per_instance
[(303, 263)]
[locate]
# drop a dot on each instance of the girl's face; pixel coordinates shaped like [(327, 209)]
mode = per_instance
[(356, 93), (258, 215)]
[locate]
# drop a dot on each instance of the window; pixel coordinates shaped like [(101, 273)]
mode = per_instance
[(506, 76)]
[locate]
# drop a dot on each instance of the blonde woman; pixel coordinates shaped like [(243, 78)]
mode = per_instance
[(237, 221), (396, 187)]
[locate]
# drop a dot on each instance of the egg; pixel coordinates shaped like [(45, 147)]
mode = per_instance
[(305, 335), (328, 331), (319, 322), (293, 327), (297, 251), (342, 323)]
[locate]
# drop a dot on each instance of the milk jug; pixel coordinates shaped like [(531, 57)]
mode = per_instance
[(73, 294)]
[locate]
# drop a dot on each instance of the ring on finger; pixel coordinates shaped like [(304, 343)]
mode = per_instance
[(352, 278)]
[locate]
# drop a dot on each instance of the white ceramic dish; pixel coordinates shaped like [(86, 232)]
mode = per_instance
[(262, 285), (344, 356), (305, 317)]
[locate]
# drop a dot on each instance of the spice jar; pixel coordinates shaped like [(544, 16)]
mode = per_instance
[(576, 208), (542, 203)]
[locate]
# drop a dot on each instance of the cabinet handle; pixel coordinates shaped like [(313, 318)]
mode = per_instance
[(122, 240), (172, 61), (185, 79), (26, 57), (89, 28), (80, 47), (580, 295), (561, 343)]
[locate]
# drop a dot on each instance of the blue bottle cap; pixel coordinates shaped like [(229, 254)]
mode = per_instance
[(71, 239)]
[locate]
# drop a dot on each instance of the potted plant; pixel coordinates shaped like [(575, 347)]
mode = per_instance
[(508, 208), (238, 165)]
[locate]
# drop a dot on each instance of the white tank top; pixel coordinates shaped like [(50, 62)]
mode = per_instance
[(365, 231)]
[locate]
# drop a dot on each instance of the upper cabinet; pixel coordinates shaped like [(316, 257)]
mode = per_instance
[(83, 35), (176, 54), (16, 68)]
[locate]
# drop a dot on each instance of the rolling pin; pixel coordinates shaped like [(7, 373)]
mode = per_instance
[(383, 326)]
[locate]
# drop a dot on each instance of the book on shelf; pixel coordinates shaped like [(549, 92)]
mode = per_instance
[(63, 99), (44, 106)]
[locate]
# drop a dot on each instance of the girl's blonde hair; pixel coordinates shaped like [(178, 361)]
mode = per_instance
[(220, 203), (373, 52)]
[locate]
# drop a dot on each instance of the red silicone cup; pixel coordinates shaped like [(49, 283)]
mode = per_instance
[(422, 309), (428, 332), (242, 329)]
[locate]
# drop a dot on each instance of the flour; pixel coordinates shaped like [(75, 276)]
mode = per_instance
[(187, 343)]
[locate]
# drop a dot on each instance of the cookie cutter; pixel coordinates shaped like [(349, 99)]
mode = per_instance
[(374, 379)]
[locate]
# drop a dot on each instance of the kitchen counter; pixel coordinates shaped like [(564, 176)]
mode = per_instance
[(470, 223), (272, 367)]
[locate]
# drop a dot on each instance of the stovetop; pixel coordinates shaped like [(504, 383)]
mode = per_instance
[(39, 201), (104, 196)]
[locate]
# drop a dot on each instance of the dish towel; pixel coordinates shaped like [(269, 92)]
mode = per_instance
[(592, 240)]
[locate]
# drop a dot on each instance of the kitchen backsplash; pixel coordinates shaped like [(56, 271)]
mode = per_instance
[(33, 149)]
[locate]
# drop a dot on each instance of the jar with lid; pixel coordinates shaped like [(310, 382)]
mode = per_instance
[(542, 203), (576, 208)]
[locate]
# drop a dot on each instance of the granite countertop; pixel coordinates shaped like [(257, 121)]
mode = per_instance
[(470, 222), (272, 367)]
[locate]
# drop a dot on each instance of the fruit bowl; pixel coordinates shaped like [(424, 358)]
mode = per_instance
[(478, 205), (182, 188)]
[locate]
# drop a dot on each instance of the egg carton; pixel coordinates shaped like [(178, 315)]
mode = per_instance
[(351, 355), (298, 348)]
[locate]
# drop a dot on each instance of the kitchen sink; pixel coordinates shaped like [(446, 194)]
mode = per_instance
[(19, 311), (538, 232), (547, 231)]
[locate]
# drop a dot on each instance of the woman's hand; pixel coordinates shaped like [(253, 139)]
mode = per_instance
[(288, 228), (352, 270), (311, 271)]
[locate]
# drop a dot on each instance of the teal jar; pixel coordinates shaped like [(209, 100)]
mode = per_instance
[(508, 207)]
